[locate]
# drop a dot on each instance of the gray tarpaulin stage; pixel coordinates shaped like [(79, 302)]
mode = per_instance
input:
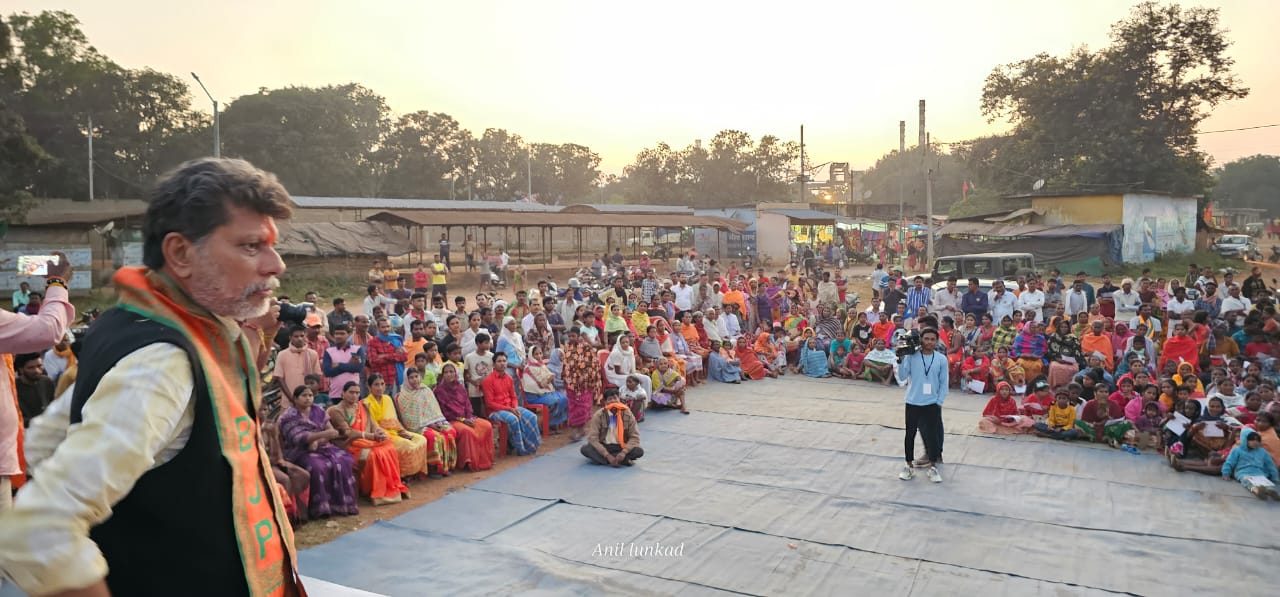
[(790, 487)]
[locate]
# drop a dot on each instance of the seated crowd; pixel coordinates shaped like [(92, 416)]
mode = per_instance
[(356, 405)]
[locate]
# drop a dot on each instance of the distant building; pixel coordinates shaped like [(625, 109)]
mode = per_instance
[(1152, 223)]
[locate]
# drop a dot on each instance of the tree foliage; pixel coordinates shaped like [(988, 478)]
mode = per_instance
[(902, 175), (1123, 117), (21, 157), (1252, 182), (338, 140), (733, 170)]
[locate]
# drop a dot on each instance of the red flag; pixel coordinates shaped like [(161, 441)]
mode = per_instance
[(964, 191)]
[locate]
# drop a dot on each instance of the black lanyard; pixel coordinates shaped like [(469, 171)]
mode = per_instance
[(933, 357)]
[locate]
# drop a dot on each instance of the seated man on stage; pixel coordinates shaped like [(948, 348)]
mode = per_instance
[(612, 435)]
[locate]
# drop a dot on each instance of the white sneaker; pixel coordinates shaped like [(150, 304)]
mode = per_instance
[(934, 475), (907, 473)]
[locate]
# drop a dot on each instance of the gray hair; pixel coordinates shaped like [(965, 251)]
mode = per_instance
[(192, 200)]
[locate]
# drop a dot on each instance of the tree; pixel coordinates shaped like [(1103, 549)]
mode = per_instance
[(61, 81), (426, 150), (564, 172), (734, 171), (1252, 182), (500, 165), (21, 157), (1124, 117), (318, 141), (902, 175)]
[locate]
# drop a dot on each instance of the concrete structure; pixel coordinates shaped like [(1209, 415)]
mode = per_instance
[(1153, 223)]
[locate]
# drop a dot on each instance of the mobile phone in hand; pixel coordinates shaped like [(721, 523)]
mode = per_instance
[(34, 265)]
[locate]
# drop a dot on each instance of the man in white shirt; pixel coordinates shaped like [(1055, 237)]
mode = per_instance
[(1154, 327), (947, 302), (713, 325), (1031, 302), (873, 312), (684, 294), (1178, 305), (377, 299), (999, 302), (1127, 301), (1235, 307), (1076, 300)]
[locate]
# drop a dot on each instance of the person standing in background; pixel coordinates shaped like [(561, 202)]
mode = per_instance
[(469, 252), (444, 250), (28, 333)]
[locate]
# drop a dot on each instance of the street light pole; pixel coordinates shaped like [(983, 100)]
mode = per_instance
[(217, 137)]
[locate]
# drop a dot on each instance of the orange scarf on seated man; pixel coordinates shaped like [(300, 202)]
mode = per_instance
[(261, 525), (1090, 343)]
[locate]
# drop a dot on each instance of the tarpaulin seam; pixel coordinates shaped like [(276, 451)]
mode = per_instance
[(812, 541)]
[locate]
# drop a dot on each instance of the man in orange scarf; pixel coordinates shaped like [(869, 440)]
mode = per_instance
[(1180, 348), (165, 405), (613, 437)]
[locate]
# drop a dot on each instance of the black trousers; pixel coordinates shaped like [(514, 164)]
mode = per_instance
[(928, 421), (590, 452)]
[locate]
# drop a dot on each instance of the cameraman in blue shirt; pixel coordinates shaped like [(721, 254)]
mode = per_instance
[(926, 374)]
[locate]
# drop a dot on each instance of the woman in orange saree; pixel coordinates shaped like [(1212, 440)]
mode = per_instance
[(376, 459)]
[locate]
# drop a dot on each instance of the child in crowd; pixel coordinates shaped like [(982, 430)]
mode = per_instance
[(634, 396), (313, 383), (976, 368), (1149, 425), (1037, 403), (1060, 424), (1252, 466)]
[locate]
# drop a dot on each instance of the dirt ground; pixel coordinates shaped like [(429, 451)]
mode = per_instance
[(424, 491)]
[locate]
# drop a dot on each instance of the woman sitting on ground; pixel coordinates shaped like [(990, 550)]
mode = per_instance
[(1204, 443), (723, 366), (309, 441), (668, 386), (1001, 413), (420, 413), (410, 447), (878, 365), (538, 383), (1103, 420), (622, 362), (504, 408), (474, 436), (813, 362), (750, 363), (376, 457)]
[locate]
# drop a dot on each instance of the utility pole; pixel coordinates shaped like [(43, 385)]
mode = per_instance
[(528, 162), (217, 136), (802, 171), (902, 152), (928, 186), (91, 157)]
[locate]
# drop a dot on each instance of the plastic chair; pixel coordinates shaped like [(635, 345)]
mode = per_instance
[(604, 369), (500, 432), (539, 410)]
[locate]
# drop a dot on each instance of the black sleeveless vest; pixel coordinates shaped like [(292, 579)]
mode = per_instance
[(173, 534)]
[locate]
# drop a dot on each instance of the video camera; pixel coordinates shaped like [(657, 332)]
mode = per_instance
[(907, 345)]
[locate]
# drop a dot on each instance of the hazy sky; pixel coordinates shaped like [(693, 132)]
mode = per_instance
[(619, 76)]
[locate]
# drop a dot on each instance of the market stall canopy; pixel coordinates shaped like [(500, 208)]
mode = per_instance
[(970, 228), (333, 239), (812, 217), (573, 216)]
